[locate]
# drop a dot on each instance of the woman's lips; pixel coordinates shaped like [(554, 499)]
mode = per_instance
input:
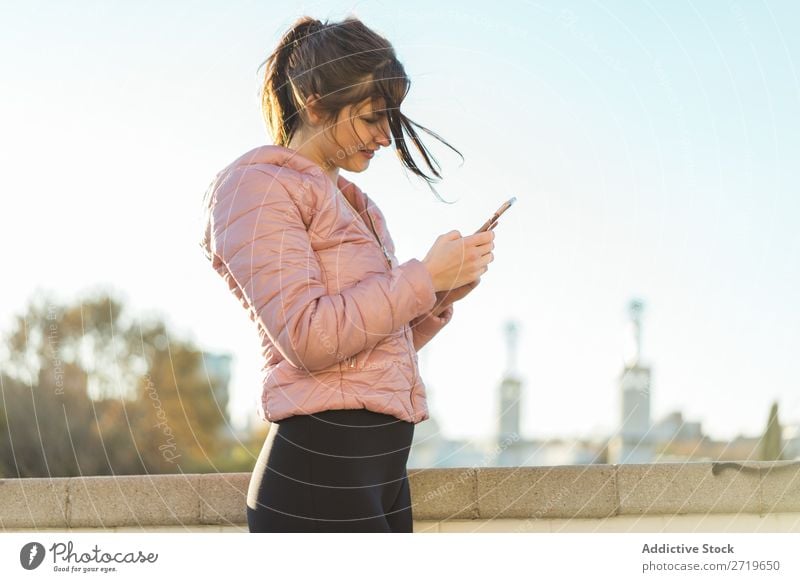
[(368, 153)]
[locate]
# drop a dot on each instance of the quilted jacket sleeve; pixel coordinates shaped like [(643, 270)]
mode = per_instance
[(261, 239), (427, 325)]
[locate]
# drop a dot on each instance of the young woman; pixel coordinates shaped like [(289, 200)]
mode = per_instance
[(309, 256)]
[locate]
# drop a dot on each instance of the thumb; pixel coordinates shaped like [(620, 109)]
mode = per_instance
[(447, 314)]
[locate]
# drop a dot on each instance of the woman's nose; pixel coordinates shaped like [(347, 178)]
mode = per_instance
[(383, 136), (383, 140)]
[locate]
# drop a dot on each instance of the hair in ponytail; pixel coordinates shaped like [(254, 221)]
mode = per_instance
[(344, 63)]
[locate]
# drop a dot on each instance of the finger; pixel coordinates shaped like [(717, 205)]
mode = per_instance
[(447, 314), (479, 238), (485, 248)]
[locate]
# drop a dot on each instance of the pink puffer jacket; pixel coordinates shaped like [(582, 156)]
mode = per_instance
[(339, 319)]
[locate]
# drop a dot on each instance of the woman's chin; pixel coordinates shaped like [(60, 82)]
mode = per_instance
[(360, 164)]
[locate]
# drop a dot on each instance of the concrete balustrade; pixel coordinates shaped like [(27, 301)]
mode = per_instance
[(661, 497)]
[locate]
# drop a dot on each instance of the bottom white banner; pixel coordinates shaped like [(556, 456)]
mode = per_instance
[(475, 556)]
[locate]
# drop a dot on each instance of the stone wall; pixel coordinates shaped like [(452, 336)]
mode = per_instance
[(661, 497)]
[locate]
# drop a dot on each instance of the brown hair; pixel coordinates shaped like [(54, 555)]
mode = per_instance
[(344, 63)]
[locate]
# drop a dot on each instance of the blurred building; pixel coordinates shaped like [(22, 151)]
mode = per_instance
[(634, 441), (637, 440), (507, 447), (791, 442), (218, 371)]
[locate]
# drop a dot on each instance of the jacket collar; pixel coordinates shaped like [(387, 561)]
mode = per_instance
[(289, 158)]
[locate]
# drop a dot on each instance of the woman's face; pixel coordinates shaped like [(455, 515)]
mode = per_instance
[(360, 131)]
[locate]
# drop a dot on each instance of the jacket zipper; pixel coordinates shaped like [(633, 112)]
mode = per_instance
[(409, 342), (374, 232), (380, 242), (352, 359)]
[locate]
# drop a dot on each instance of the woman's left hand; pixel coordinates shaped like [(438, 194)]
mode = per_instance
[(445, 299), (443, 316)]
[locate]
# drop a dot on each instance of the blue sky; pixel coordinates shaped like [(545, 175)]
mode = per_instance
[(652, 148)]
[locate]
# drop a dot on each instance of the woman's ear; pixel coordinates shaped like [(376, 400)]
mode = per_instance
[(312, 112)]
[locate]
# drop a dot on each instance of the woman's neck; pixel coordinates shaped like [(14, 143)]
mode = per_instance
[(307, 150)]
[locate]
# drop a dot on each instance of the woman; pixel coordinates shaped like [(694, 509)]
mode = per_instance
[(309, 255)]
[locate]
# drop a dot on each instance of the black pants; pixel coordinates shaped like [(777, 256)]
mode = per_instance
[(333, 471)]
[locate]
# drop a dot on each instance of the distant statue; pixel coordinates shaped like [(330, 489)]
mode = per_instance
[(633, 334), (511, 330)]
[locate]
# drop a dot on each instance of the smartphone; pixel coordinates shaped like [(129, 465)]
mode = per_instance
[(492, 222)]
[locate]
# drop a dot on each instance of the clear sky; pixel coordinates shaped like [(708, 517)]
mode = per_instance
[(652, 148)]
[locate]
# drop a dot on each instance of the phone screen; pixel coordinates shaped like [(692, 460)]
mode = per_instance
[(492, 222)]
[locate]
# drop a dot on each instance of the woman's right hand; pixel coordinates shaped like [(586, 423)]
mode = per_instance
[(454, 260)]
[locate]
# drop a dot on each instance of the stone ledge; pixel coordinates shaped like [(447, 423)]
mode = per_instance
[(438, 495)]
